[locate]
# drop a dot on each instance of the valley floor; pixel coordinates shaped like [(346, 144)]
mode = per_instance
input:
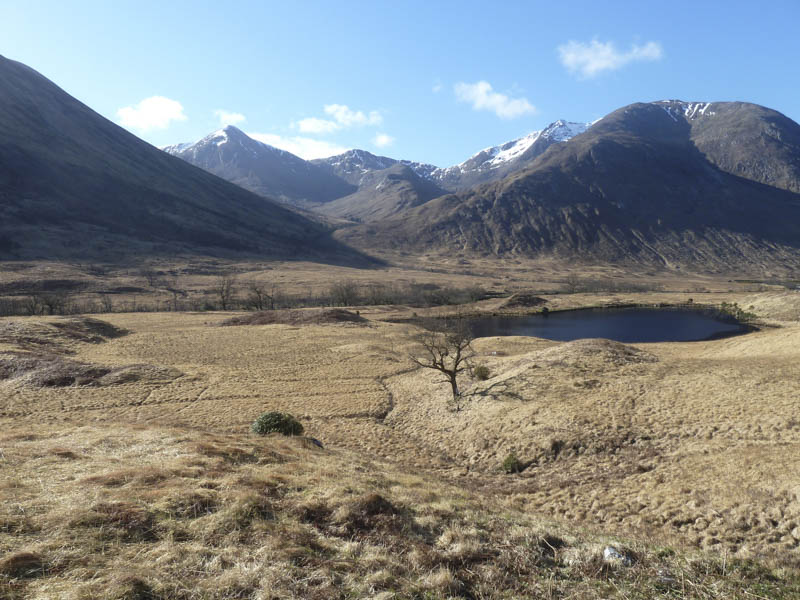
[(687, 445)]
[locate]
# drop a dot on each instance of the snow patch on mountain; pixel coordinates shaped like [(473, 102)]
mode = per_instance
[(223, 137), (176, 148), (423, 170), (497, 156), (690, 110), (357, 163)]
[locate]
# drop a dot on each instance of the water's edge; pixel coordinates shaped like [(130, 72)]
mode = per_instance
[(709, 310)]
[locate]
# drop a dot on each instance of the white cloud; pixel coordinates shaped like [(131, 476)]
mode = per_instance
[(481, 96), (303, 147), (343, 118), (348, 118), (151, 113), (381, 140), (316, 125), (228, 118), (591, 59), (437, 87)]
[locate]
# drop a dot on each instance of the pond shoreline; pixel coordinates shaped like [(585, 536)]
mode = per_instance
[(712, 311)]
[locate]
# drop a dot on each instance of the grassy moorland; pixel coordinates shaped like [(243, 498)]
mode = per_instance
[(128, 470)]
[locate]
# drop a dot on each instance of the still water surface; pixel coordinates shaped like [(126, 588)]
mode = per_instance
[(629, 325)]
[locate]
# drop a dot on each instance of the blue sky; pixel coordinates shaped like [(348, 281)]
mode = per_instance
[(432, 81)]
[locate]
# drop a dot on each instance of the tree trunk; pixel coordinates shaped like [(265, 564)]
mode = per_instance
[(453, 385)]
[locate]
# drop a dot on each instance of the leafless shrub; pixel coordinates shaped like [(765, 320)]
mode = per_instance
[(22, 565)]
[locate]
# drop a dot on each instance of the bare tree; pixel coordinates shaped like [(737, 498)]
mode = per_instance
[(573, 283), (170, 283), (56, 302), (260, 295), (224, 288), (344, 293), (32, 304), (447, 348), (106, 304), (151, 276)]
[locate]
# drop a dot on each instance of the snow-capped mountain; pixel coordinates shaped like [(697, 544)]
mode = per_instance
[(667, 184), (353, 165), (689, 110), (268, 171), (384, 193), (491, 164), (278, 174)]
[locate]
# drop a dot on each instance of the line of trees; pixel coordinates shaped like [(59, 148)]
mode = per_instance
[(574, 284), (228, 292)]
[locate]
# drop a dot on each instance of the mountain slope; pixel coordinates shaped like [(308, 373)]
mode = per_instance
[(636, 187), (382, 194), (73, 184), (492, 164), (758, 143), (353, 165), (231, 154)]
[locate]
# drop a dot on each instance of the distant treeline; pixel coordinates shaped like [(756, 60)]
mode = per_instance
[(230, 293), (575, 284)]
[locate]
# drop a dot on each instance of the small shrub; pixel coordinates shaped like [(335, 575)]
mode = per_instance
[(737, 312), (22, 564), (512, 464), (481, 372), (277, 422)]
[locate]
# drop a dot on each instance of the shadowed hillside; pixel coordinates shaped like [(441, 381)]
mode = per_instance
[(661, 184), (73, 184), (262, 169), (383, 194)]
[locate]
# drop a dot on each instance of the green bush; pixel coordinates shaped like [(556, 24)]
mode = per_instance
[(481, 372), (512, 464), (277, 422), (737, 312)]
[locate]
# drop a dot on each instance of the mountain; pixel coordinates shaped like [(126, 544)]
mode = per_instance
[(496, 162), (357, 184), (743, 139), (707, 185), (487, 165), (229, 153), (73, 184), (353, 165), (382, 194)]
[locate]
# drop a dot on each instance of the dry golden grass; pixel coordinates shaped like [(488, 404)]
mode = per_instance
[(691, 445), (138, 512), (127, 287)]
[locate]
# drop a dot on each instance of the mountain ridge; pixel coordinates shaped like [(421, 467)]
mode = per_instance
[(652, 183), (74, 184), (263, 169), (276, 173), (382, 194)]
